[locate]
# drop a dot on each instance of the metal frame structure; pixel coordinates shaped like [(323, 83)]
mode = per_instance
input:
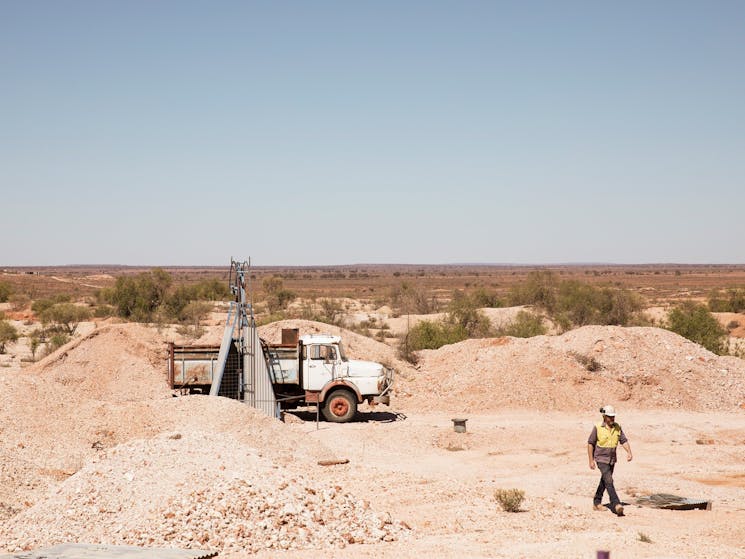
[(253, 381)]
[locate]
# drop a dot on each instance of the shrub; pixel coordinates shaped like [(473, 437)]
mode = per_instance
[(56, 341), (509, 499), (429, 335), (571, 303), (483, 298), (694, 322), (138, 297), (66, 316), (103, 311), (8, 334), (538, 289), (194, 313), (524, 325), (587, 361), (463, 313), (733, 300), (277, 296), (36, 338), (5, 291), (410, 299)]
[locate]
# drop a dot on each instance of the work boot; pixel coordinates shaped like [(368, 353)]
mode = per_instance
[(599, 507), (618, 510)]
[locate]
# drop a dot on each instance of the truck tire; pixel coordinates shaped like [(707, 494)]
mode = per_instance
[(340, 406)]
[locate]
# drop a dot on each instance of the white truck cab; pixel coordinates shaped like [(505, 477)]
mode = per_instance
[(313, 369)]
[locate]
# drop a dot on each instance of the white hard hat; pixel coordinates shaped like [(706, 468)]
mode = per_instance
[(608, 410)]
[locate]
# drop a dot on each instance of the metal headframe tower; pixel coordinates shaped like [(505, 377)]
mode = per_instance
[(252, 380)]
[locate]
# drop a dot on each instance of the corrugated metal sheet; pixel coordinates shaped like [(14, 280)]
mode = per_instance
[(231, 325), (673, 502), (96, 551), (259, 391)]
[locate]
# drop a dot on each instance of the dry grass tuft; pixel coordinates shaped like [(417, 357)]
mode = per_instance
[(510, 499)]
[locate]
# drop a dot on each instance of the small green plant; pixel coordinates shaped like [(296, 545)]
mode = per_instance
[(509, 499), (644, 538)]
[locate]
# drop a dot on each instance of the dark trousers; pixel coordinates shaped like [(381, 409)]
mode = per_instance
[(606, 484)]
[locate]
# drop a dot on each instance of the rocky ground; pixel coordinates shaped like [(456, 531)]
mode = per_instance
[(96, 449)]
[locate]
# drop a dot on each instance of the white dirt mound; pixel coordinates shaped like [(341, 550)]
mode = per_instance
[(196, 490), (641, 367), (95, 448)]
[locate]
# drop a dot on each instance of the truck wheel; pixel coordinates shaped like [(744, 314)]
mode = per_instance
[(340, 406)]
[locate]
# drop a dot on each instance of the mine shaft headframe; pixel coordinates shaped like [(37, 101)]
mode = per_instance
[(238, 274)]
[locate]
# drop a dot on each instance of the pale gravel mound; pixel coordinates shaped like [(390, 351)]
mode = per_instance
[(640, 368), (196, 490), (105, 389)]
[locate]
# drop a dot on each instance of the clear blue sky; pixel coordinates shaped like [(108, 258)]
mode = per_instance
[(319, 132)]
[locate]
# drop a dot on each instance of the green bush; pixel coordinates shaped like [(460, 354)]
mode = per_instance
[(694, 322), (464, 313), (56, 341), (41, 305), (538, 289), (66, 316), (5, 291), (194, 313), (103, 311), (8, 334), (486, 299), (277, 297), (462, 321), (138, 297), (572, 303), (407, 298), (733, 300), (430, 335), (524, 325), (510, 499)]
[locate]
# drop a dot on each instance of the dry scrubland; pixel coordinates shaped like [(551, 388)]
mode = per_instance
[(95, 449)]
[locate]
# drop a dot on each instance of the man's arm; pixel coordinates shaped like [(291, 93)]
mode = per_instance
[(627, 448), (590, 457)]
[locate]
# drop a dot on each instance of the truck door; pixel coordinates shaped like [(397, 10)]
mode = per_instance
[(322, 362)]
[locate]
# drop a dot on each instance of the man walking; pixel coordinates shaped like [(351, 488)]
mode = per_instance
[(601, 450)]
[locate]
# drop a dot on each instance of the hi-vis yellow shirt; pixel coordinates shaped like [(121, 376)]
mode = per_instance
[(605, 440), (608, 438)]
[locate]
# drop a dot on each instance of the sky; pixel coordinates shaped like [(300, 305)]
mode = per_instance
[(336, 132)]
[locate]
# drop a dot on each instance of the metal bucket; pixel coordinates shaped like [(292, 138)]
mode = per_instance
[(459, 425)]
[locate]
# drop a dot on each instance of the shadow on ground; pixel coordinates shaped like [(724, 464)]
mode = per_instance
[(361, 417)]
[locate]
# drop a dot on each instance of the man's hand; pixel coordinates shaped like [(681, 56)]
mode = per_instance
[(627, 448), (592, 464)]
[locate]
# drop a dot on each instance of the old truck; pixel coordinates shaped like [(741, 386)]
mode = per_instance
[(307, 370)]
